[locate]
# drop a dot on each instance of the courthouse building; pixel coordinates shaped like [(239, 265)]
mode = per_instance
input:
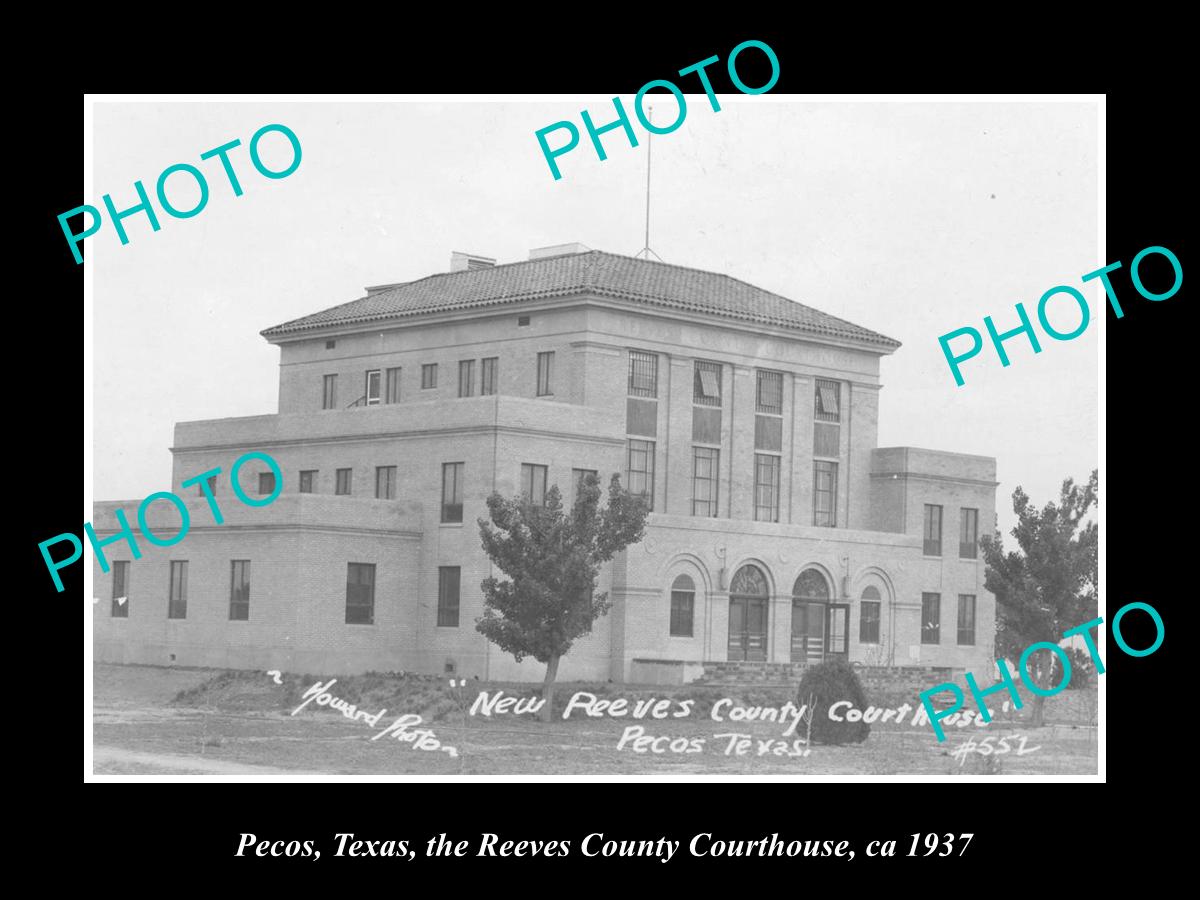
[(780, 533)]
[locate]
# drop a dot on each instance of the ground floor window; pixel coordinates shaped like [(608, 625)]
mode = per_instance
[(931, 618), (683, 602), (966, 619), (449, 578), (868, 616), (360, 593)]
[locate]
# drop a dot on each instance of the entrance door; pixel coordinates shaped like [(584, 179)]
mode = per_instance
[(748, 615), (837, 631)]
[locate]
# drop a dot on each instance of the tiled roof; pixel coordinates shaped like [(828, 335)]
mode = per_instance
[(596, 273)]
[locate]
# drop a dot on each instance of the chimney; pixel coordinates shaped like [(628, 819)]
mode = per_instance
[(460, 262), (558, 250)]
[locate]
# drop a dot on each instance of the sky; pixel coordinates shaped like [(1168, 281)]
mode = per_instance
[(912, 219)]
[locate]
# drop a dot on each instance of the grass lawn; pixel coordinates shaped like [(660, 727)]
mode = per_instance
[(151, 720)]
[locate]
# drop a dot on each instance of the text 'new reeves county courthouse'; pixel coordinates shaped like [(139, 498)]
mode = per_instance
[(780, 533)]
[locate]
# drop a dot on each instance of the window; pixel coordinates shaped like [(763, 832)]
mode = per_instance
[(329, 400), (639, 472), (766, 487), (452, 492), (239, 591), (329, 345), (177, 602), (683, 602), (577, 477), (827, 401), (545, 371), (966, 619), (825, 476), (931, 618), (968, 534), (770, 392), (448, 584), (373, 387), (266, 483), (705, 466), (392, 387), (522, 321), (487, 375), (643, 374), (466, 377), (533, 483), (428, 376), (308, 479), (343, 481), (360, 593), (933, 530), (120, 589), (868, 616), (212, 486), (385, 482), (706, 384)]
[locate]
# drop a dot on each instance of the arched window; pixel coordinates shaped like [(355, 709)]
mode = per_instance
[(683, 603), (811, 585), (749, 581), (868, 616)]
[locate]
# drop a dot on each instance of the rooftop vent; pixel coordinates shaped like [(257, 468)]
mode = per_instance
[(558, 250), (460, 262), (380, 288)]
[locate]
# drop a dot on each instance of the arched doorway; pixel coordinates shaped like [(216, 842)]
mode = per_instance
[(820, 629), (748, 594)]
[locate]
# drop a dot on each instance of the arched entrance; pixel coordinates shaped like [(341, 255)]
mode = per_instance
[(748, 595), (820, 629)]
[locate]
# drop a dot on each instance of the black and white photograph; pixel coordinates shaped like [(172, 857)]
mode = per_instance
[(530, 436)]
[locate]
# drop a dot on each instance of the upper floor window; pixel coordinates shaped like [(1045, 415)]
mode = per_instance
[(342, 485), (639, 471), (533, 483), (452, 492), (933, 530), (239, 590), (826, 403), (120, 589), (466, 377), (308, 478), (177, 598), (643, 374), (705, 466), (825, 478), (392, 386), (766, 487), (211, 481), (706, 383), (545, 373), (577, 478), (373, 386), (770, 392), (931, 618), (488, 369), (360, 593), (385, 482), (428, 376), (968, 534), (683, 602), (329, 399), (266, 483)]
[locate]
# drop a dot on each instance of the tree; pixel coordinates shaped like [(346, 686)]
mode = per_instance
[(1048, 586), (552, 559)]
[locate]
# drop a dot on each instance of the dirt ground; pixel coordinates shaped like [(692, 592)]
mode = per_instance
[(165, 721)]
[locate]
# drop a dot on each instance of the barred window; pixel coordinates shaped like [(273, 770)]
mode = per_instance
[(639, 471), (966, 619), (706, 384), (825, 477), (239, 590), (360, 593), (683, 602), (766, 487), (826, 404), (770, 392), (643, 374), (705, 466), (449, 578), (931, 618)]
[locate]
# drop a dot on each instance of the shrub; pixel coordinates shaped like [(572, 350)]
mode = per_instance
[(828, 683)]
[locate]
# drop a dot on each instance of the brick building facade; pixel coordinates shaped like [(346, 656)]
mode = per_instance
[(780, 532)]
